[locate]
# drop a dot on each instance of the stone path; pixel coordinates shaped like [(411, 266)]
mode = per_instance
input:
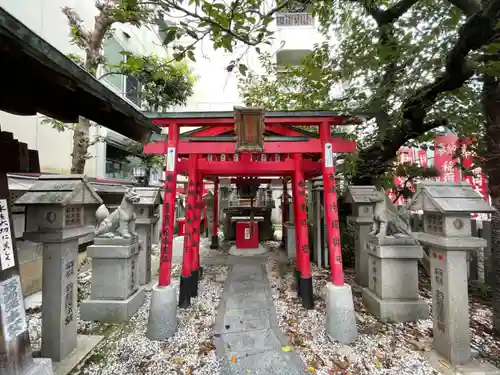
[(247, 336)]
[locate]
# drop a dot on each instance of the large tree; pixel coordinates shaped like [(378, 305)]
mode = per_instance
[(408, 67), (405, 66), (226, 25)]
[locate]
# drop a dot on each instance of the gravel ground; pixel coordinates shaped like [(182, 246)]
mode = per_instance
[(381, 348), (126, 350)]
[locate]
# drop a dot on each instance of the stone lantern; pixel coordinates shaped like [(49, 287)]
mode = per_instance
[(447, 232), (362, 218), (146, 211), (59, 211), (208, 203)]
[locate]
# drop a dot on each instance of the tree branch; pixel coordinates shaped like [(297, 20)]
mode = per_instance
[(245, 39), (390, 15), (469, 7), (476, 32)]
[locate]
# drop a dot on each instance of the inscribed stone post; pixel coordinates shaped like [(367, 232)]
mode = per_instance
[(392, 292), (319, 234), (362, 219), (150, 198), (447, 232)]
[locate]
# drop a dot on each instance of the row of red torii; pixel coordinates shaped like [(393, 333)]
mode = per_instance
[(250, 143)]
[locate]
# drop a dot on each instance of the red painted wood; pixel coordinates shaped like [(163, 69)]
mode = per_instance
[(283, 130), (198, 212), (310, 146), (214, 130), (167, 231), (209, 131), (215, 209), (250, 168), (181, 222), (252, 230), (295, 221), (302, 121), (332, 214), (301, 225), (187, 257)]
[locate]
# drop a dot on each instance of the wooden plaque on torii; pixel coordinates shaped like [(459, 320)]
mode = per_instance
[(249, 129)]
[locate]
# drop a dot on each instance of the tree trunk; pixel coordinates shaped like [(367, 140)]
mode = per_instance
[(490, 101), (81, 140), (81, 134)]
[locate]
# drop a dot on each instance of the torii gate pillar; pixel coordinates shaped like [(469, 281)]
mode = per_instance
[(162, 322), (340, 313)]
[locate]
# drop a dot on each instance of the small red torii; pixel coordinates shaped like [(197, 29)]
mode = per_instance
[(209, 152)]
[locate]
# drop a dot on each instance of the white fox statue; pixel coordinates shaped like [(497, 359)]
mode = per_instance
[(121, 222)]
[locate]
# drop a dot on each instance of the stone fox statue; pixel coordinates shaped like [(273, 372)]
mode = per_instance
[(387, 221), (121, 222)]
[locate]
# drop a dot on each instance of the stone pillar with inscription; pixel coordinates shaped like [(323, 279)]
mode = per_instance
[(115, 292), (55, 211), (362, 218), (319, 230), (15, 349), (447, 232), (146, 218)]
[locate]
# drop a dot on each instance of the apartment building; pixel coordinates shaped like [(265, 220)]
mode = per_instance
[(45, 18), (217, 89)]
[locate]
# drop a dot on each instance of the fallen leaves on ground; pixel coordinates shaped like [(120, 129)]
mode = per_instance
[(382, 348)]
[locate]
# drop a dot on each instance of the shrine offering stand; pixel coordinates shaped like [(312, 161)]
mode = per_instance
[(247, 236)]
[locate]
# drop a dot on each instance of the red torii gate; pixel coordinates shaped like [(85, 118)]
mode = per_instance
[(209, 152)]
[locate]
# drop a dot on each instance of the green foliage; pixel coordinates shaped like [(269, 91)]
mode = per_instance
[(78, 60), (137, 157), (226, 24), (378, 64), (56, 124), (348, 241), (164, 83)]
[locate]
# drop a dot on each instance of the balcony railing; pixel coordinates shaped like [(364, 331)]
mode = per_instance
[(294, 19)]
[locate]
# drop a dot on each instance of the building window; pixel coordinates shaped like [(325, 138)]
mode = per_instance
[(117, 163), (127, 86), (133, 90), (73, 216), (112, 54)]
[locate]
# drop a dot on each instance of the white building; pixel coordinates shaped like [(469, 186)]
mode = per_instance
[(45, 18), (215, 90)]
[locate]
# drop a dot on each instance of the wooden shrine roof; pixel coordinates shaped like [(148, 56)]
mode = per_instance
[(38, 78)]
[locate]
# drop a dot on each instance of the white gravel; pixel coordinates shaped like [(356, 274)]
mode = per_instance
[(380, 349), (126, 349)]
